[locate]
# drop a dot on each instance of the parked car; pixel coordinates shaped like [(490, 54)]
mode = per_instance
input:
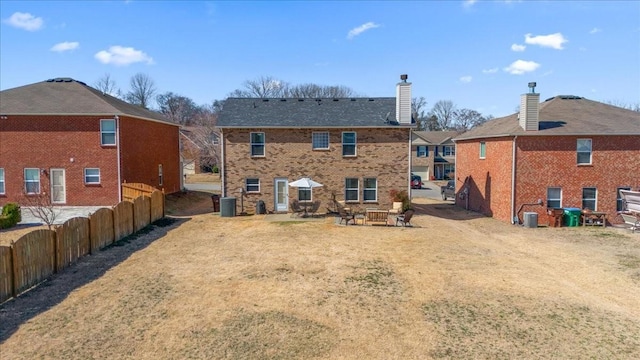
[(416, 182), (449, 190)]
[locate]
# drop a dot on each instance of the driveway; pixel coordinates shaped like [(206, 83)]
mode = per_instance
[(205, 186), (430, 190)]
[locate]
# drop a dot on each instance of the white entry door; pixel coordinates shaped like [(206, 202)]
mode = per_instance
[(58, 193), (282, 195)]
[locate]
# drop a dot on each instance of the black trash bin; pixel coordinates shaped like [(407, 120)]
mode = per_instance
[(261, 208), (215, 198)]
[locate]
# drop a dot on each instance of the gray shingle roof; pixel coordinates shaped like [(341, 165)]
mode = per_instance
[(315, 113), (436, 137), (565, 115), (65, 96)]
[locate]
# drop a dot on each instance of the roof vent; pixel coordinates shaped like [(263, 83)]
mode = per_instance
[(353, 99), (283, 99), (300, 99), (336, 99), (265, 100)]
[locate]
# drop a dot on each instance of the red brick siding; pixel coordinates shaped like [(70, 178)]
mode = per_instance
[(145, 145), (51, 142), (489, 179), (381, 153)]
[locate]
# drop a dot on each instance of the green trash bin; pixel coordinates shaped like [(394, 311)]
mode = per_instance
[(571, 216)]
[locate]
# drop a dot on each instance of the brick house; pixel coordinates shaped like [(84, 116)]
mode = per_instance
[(568, 151), (433, 154), (358, 148), (63, 138)]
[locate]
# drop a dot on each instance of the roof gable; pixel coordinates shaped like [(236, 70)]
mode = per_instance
[(315, 113), (65, 96)]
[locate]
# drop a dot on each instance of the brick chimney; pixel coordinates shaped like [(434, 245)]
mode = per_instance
[(530, 109), (403, 101)]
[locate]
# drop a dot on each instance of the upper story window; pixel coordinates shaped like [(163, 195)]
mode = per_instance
[(108, 132), (2, 181), (584, 151), (422, 151), (351, 189), (448, 150), (32, 181), (370, 192), (92, 176), (349, 144), (589, 196), (620, 206), (483, 150), (320, 140), (257, 144), (252, 185), (554, 197)]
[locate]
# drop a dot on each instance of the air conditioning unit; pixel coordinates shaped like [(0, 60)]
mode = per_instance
[(530, 220)]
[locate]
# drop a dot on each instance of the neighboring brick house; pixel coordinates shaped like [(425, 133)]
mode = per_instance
[(76, 145), (356, 147), (433, 154), (567, 151)]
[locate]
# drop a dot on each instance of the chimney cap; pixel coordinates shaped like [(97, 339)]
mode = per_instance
[(532, 86), (404, 77)]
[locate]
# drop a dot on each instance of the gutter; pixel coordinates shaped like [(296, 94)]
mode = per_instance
[(514, 215), (222, 167), (117, 119)]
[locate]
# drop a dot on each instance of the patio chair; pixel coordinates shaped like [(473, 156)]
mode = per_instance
[(405, 218), (296, 209), (346, 216), (315, 206)]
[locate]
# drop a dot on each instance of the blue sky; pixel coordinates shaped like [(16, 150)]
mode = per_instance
[(478, 54)]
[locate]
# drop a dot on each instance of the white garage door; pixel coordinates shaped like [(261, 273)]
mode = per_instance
[(422, 171)]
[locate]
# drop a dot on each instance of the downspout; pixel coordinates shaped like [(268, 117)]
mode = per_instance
[(410, 165), (514, 215), (222, 175), (117, 119)]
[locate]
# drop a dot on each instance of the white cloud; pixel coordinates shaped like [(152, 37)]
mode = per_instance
[(466, 79), (595, 30), (65, 46), (518, 47), (119, 56), (469, 3), (520, 67), (25, 21), (554, 41), (360, 29), (490, 71)]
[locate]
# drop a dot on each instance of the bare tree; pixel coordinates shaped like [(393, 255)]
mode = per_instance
[(142, 90), (179, 109), (418, 112), (41, 207), (262, 87), (269, 87), (108, 86), (466, 119), (444, 111), (632, 107)]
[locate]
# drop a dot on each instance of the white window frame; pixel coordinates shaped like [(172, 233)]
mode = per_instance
[(252, 185), (448, 150), (425, 153), (346, 145), (301, 197), (104, 132), (351, 190), (320, 140), (366, 190), (583, 150), (37, 181), (2, 182), (550, 199), (483, 150), (257, 145), (87, 176), (619, 200), (594, 199)]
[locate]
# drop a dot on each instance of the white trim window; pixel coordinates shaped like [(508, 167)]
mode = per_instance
[(257, 144), (107, 132), (252, 185), (554, 197), (349, 143), (92, 176), (351, 189), (483, 150), (160, 175), (583, 150), (32, 181), (448, 150), (370, 190), (320, 140), (2, 187), (422, 151), (620, 205), (304, 194), (589, 198)]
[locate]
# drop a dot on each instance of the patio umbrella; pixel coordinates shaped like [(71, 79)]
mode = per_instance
[(305, 182)]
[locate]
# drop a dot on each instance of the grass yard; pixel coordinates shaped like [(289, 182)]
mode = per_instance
[(456, 286)]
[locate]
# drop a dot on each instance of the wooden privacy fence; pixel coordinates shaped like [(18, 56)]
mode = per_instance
[(39, 254), (131, 191)]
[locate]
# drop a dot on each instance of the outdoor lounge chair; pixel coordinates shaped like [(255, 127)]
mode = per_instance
[(405, 218), (296, 209), (346, 216), (632, 220), (315, 206)]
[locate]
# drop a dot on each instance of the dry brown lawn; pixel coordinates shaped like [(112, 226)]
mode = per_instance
[(455, 286)]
